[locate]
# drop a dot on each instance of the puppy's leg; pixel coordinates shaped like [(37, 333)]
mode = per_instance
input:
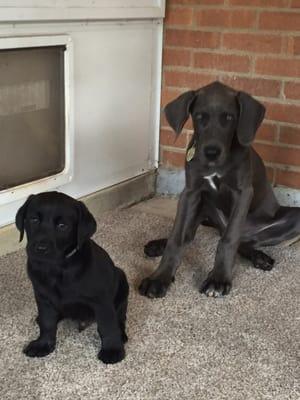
[(112, 348), (218, 282), (121, 302), (47, 320), (156, 248), (122, 312), (184, 230)]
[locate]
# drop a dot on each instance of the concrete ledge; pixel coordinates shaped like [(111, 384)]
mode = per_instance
[(171, 183), (118, 196)]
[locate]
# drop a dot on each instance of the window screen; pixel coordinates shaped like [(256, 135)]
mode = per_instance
[(32, 114)]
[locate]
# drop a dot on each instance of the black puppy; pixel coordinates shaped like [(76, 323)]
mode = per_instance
[(72, 276), (226, 187)]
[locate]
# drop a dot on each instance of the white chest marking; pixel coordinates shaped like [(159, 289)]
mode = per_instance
[(210, 179)]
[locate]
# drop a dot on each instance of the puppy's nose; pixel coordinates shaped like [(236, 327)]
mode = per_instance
[(212, 152), (41, 247)]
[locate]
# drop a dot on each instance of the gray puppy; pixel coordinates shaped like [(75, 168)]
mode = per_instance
[(226, 187)]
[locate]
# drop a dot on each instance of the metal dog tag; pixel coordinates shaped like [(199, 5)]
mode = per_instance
[(190, 153)]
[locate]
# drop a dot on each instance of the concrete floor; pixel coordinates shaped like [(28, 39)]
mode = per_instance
[(163, 206)]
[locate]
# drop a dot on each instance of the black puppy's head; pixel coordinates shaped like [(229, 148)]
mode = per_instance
[(219, 115), (55, 225)]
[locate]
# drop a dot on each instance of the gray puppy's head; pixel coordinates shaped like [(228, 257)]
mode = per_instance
[(220, 116)]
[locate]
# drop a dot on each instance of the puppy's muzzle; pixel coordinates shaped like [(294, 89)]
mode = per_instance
[(41, 248), (212, 152)]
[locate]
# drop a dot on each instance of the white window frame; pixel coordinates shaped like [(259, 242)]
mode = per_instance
[(18, 192), (49, 10)]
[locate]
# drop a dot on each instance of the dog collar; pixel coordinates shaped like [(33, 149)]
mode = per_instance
[(72, 252), (191, 152)]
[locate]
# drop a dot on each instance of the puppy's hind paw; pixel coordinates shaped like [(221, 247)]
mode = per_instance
[(262, 261), (37, 348), (155, 248), (111, 356)]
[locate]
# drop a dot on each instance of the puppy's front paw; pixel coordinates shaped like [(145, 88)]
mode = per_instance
[(153, 288), (111, 356), (215, 286), (38, 348), (262, 261)]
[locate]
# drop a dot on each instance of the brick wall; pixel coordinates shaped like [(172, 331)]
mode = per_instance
[(252, 45)]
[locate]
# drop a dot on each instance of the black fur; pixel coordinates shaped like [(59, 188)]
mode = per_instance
[(72, 277)]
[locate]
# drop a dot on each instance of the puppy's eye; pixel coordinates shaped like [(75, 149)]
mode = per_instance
[(34, 220), (229, 117), (202, 118), (61, 226)]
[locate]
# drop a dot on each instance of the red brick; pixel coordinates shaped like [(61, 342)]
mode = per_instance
[(194, 2), (254, 86), (292, 90), (266, 132), (189, 125), (288, 178), (288, 44), (295, 4), (278, 66), (191, 80), (287, 21), (173, 159), (291, 45), (177, 57), (179, 16), (290, 135), (296, 49), (168, 138), (169, 94), (226, 18), (278, 155), (186, 38), (260, 3), (163, 121), (256, 43), (222, 62), (283, 112)]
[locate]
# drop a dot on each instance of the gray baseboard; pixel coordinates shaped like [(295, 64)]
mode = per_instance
[(171, 183), (121, 195)]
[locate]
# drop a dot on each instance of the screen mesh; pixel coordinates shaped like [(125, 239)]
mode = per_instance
[(32, 114)]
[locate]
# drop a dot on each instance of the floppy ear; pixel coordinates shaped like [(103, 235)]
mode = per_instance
[(86, 224), (252, 113), (21, 216), (177, 112)]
